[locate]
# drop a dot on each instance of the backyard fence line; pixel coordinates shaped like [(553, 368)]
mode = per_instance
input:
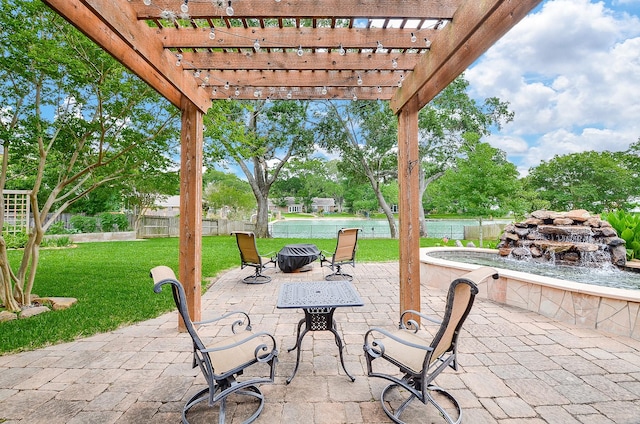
[(169, 226)]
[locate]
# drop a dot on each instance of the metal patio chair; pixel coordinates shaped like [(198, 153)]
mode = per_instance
[(227, 357), (345, 254), (249, 256), (420, 357)]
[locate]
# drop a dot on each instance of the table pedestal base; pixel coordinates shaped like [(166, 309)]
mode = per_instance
[(317, 319)]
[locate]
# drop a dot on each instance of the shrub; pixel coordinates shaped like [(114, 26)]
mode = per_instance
[(113, 222), (84, 224), (628, 227), (56, 242), (57, 228), (15, 240)]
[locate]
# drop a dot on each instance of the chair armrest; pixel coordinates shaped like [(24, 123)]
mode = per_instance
[(375, 347), (268, 346), (413, 323), (234, 325)]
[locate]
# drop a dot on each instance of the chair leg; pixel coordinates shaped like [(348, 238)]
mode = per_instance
[(257, 278), (339, 275), (203, 395), (395, 416)]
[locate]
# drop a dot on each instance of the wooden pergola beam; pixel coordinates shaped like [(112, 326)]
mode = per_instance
[(291, 37), (310, 9), (476, 26), (304, 93), (132, 43), (278, 61)]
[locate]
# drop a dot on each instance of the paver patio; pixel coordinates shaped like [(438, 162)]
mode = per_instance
[(515, 366)]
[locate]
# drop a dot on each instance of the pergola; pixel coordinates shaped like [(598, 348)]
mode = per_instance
[(194, 52)]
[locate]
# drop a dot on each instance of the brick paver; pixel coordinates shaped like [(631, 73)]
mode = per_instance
[(515, 366)]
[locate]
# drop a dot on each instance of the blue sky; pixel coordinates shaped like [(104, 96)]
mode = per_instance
[(570, 71)]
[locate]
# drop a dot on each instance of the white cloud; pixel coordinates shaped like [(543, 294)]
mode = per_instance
[(571, 73)]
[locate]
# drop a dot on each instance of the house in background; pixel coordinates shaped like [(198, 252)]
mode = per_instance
[(169, 206), (318, 204)]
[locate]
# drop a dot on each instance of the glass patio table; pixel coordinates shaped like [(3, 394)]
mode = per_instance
[(318, 300)]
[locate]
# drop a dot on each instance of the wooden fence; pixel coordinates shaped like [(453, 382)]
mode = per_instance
[(164, 226)]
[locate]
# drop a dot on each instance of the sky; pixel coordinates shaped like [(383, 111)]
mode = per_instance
[(570, 71)]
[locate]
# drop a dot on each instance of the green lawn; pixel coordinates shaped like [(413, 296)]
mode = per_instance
[(111, 282)]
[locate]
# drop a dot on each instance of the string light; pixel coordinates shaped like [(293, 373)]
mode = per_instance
[(394, 63), (197, 73), (230, 10), (413, 38), (427, 43), (226, 85), (212, 34), (237, 92), (379, 89), (184, 7), (300, 52), (256, 46), (214, 92), (324, 90), (355, 97), (289, 95), (379, 48), (179, 61), (359, 80), (146, 2), (341, 50)]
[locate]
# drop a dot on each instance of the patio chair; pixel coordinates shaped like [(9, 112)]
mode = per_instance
[(249, 256), (227, 357), (420, 360), (345, 254)]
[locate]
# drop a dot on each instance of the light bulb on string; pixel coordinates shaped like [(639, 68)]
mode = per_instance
[(355, 97), (146, 2), (212, 34), (184, 7), (237, 92), (179, 59), (359, 80), (230, 10), (226, 85), (379, 89), (427, 43), (324, 90), (394, 63), (214, 92), (289, 95), (341, 50), (197, 73), (379, 48), (299, 52), (256, 45), (413, 38)]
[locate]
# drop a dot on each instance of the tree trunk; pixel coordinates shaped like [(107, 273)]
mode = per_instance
[(480, 231), (386, 209), (262, 217)]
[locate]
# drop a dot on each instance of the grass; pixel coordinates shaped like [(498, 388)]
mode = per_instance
[(111, 282)]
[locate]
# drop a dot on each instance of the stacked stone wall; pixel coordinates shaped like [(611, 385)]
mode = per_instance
[(572, 238)]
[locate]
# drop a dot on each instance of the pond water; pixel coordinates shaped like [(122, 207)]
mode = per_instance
[(607, 276), (370, 228)]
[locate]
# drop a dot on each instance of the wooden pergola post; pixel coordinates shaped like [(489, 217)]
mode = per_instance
[(190, 256), (408, 181)]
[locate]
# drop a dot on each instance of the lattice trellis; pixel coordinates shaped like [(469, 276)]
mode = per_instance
[(16, 211)]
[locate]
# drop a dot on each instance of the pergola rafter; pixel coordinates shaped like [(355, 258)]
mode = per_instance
[(194, 52)]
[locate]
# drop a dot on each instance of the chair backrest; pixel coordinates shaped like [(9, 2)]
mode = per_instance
[(462, 292), (248, 247), (164, 275), (346, 245)]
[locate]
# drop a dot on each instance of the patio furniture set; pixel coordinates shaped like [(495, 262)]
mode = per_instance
[(418, 355)]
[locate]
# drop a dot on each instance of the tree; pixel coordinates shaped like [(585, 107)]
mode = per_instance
[(73, 120), (226, 190), (260, 137), (443, 124), (365, 135), (595, 181), (483, 182)]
